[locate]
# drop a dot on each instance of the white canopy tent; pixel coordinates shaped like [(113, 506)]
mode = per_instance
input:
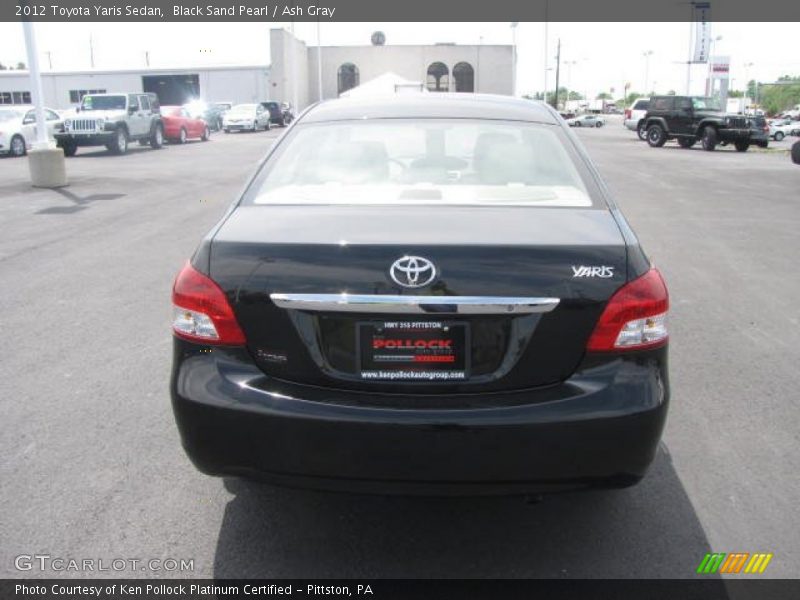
[(388, 83)]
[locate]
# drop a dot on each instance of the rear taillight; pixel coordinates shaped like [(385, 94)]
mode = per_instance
[(635, 317), (201, 310), (628, 113)]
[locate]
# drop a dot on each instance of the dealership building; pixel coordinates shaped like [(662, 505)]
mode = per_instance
[(63, 89), (294, 75)]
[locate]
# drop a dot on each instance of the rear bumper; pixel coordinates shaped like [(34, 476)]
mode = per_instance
[(599, 428), (632, 124)]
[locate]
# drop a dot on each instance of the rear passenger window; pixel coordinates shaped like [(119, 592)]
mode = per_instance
[(663, 103), (641, 105), (144, 101)]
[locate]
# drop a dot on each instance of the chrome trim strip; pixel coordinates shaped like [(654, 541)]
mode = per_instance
[(378, 303)]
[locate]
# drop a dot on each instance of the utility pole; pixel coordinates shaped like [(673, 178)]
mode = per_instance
[(514, 58), (49, 60), (647, 56), (558, 73), (91, 51)]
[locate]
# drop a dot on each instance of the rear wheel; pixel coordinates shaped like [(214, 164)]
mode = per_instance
[(779, 136), (709, 137), (656, 136), (796, 153), (742, 146), (599, 124), (157, 138), (641, 131), (686, 142), (206, 134), (17, 146), (182, 136)]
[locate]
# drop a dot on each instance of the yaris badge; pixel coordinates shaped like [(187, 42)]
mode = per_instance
[(412, 271)]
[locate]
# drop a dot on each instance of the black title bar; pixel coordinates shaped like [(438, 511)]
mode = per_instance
[(392, 10)]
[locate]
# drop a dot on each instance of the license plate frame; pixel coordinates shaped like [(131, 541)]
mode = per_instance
[(413, 351)]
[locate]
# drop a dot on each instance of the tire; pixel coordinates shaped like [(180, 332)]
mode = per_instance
[(709, 138), (17, 147), (686, 142), (157, 138), (741, 146), (182, 136), (206, 134), (796, 153), (599, 124), (255, 126), (120, 144), (779, 136), (641, 131), (285, 121), (69, 148), (268, 126), (227, 130), (656, 136)]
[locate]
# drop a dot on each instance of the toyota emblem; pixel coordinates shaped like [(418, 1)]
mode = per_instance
[(412, 271)]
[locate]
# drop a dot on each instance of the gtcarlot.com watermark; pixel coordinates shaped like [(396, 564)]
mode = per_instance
[(59, 564)]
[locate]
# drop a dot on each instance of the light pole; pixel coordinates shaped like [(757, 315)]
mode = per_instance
[(319, 64), (647, 56), (569, 64), (747, 81)]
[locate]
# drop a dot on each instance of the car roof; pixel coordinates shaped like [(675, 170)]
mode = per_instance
[(433, 105)]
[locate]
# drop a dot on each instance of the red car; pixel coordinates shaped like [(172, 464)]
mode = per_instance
[(180, 126)]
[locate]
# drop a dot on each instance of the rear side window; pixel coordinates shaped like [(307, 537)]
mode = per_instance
[(641, 105), (422, 161), (663, 103)]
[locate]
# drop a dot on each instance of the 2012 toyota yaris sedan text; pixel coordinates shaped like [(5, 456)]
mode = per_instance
[(423, 294)]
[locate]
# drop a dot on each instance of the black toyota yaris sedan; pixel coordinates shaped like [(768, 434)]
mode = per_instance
[(411, 296)]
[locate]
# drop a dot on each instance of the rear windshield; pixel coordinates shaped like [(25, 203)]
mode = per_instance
[(103, 103), (422, 161)]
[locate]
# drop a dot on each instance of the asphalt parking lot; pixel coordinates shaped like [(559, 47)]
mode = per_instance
[(91, 465)]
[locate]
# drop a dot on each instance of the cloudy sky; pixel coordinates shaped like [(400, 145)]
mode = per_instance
[(605, 55)]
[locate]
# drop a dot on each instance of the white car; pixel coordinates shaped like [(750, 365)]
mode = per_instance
[(246, 117), (780, 128), (586, 121), (18, 128), (634, 116)]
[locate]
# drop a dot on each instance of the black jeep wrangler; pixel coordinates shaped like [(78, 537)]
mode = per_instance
[(692, 118)]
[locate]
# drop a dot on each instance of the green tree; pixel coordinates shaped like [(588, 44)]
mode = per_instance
[(21, 66), (776, 98), (604, 96)]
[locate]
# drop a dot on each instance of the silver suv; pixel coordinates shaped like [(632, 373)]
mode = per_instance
[(113, 120)]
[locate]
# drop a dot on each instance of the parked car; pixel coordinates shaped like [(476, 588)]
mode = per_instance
[(246, 117), (279, 114), (634, 117), (516, 348), (780, 128), (209, 113), (113, 120), (689, 119), (586, 121), (18, 128), (180, 125)]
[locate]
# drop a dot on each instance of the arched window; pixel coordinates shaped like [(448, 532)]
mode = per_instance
[(348, 77), (438, 77), (464, 75)]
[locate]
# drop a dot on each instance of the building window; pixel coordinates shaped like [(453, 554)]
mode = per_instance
[(438, 77), (15, 98), (75, 96), (464, 75), (348, 77)]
